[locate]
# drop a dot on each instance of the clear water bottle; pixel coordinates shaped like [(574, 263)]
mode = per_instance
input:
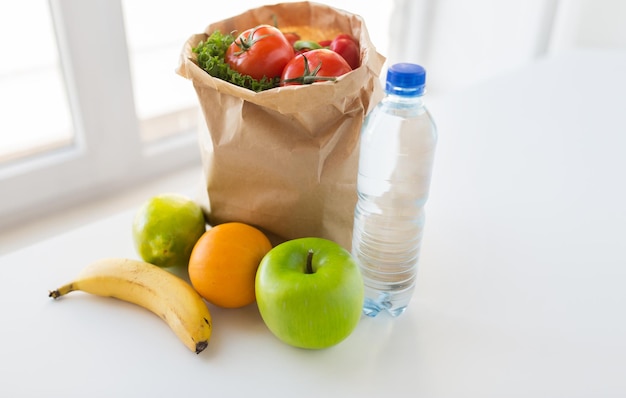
[(398, 142)]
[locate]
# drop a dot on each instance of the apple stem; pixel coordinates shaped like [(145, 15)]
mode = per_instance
[(309, 262)]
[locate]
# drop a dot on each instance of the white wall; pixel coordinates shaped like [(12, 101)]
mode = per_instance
[(462, 42)]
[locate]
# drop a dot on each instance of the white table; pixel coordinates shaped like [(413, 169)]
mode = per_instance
[(521, 289)]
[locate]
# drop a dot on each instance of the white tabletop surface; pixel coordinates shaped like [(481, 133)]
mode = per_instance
[(521, 289)]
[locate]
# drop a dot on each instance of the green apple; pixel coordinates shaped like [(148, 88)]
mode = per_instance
[(309, 292), (166, 228)]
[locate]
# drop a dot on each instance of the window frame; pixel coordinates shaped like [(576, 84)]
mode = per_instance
[(105, 124)]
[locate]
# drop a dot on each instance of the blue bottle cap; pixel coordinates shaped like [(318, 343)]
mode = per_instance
[(406, 79)]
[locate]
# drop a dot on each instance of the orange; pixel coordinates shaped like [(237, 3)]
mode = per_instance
[(224, 261)]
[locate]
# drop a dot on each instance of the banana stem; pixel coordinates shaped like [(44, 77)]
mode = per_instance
[(63, 290)]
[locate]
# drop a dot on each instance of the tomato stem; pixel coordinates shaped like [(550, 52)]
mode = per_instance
[(246, 43), (308, 76), (309, 262)]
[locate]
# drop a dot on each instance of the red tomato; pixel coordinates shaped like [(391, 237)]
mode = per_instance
[(347, 36), (346, 46), (291, 37), (314, 66), (260, 51)]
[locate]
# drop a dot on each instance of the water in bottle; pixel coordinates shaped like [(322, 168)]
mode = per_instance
[(397, 149)]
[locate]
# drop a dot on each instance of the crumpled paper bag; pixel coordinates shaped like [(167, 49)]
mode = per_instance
[(285, 160)]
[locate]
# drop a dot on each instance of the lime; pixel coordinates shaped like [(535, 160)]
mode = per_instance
[(166, 228)]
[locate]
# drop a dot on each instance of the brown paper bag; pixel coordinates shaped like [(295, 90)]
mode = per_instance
[(285, 160)]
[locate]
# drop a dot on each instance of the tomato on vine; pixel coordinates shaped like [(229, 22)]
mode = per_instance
[(314, 66), (260, 51)]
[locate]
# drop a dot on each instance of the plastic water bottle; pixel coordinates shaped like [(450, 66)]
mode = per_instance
[(398, 142)]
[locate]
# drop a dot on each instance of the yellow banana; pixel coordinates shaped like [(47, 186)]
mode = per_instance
[(153, 288)]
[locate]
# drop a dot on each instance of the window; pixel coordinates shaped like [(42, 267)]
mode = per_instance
[(105, 152), (30, 81), (164, 103), (91, 101)]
